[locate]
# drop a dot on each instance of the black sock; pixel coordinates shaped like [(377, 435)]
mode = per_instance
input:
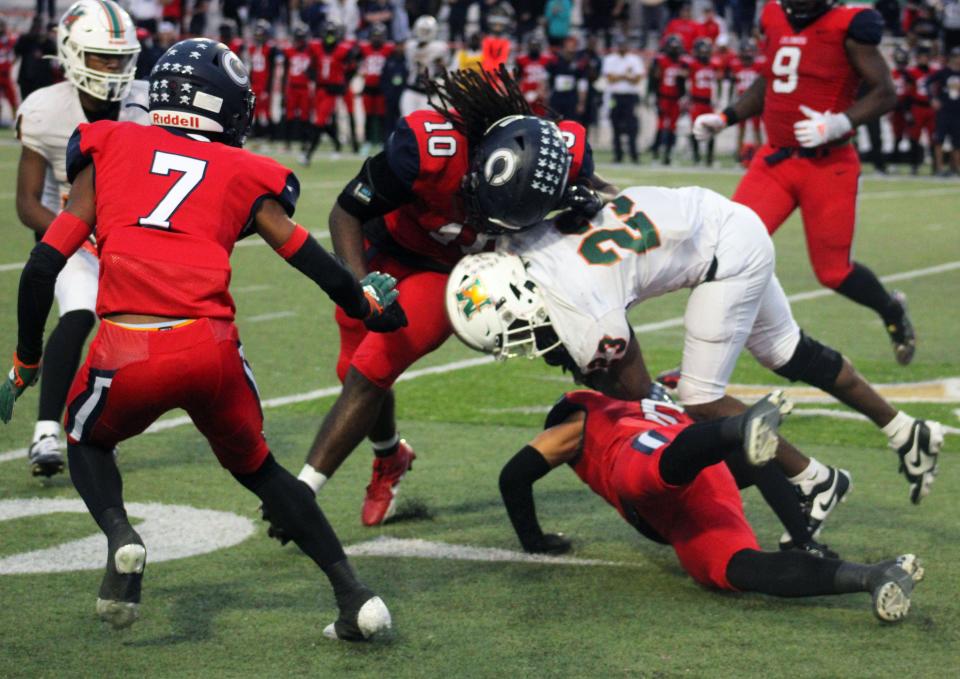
[(387, 452), (95, 476), (863, 287), (61, 358), (777, 492), (293, 507), (786, 574)]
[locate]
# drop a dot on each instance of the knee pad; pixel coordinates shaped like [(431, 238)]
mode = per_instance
[(812, 362)]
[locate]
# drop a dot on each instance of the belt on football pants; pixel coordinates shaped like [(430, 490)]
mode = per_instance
[(784, 152)]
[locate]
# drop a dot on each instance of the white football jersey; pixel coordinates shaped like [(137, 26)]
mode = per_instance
[(430, 57), (646, 242), (46, 120)]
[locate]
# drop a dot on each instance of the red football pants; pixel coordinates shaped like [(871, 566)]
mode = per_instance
[(324, 105), (374, 104), (298, 103), (383, 357), (825, 190), (899, 122), (132, 377), (261, 110), (668, 111), (8, 91), (924, 119)]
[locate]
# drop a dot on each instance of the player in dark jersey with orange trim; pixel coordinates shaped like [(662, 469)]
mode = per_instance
[(449, 183), (818, 54), (663, 475), (169, 203)]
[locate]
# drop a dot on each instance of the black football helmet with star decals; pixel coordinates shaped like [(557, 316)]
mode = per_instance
[(518, 175), (199, 84)]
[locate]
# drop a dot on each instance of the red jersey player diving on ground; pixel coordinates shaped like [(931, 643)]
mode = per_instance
[(817, 56), (662, 473), (169, 203)]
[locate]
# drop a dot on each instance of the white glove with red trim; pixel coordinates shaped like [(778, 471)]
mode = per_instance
[(707, 125), (820, 128)]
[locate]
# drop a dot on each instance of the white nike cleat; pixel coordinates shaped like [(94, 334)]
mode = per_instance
[(761, 426), (360, 623), (45, 456), (918, 457)]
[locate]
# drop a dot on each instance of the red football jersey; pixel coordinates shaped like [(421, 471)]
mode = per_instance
[(687, 30), (920, 92), (671, 70), (806, 67), (236, 46), (426, 151), (6, 55), (372, 61), (331, 66), (703, 81), (169, 211), (299, 62), (745, 74), (533, 72), (902, 83), (261, 59)]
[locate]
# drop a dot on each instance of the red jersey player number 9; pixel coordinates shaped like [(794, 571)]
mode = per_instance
[(164, 163), (785, 67)]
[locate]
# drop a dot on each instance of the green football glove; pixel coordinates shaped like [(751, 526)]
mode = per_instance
[(386, 314), (21, 376)]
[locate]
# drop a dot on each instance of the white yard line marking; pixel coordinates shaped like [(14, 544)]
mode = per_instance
[(472, 362), (272, 316), (15, 266), (250, 288), (427, 549)]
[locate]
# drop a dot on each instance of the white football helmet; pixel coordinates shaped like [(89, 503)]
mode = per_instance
[(98, 27), (496, 308), (425, 28)]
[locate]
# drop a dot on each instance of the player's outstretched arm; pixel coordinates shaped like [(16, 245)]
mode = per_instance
[(30, 177), (747, 106), (35, 298), (549, 449), (879, 96), (372, 298)]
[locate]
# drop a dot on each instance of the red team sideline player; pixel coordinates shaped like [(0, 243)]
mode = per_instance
[(745, 69), (169, 203), (8, 89), (662, 474), (298, 70), (817, 56), (668, 74), (262, 56), (703, 77), (373, 57)]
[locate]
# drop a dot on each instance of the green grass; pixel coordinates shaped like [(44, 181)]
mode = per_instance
[(257, 609)]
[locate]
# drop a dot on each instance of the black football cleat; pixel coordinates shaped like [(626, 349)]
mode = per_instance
[(901, 332), (362, 616), (118, 601)]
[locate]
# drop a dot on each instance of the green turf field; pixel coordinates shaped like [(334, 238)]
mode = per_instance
[(256, 609)]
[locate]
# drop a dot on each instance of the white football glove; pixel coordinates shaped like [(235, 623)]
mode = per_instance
[(820, 128), (707, 125)]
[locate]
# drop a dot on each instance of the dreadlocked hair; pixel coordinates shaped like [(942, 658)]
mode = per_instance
[(475, 100)]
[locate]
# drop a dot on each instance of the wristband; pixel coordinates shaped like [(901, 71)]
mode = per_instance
[(294, 242), (731, 115)]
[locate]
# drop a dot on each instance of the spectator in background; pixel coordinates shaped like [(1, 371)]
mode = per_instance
[(624, 72), (925, 27), (945, 86), (457, 19), (8, 90), (951, 25), (711, 27), (236, 11), (529, 13), (313, 14), (198, 19), (684, 27), (567, 85), (890, 11), (376, 12), (146, 13), (228, 36), (598, 16), (470, 56), (150, 51), (921, 109), (30, 48), (174, 12), (652, 17), (590, 64), (534, 75), (393, 81), (346, 13), (558, 14), (496, 45), (744, 17)]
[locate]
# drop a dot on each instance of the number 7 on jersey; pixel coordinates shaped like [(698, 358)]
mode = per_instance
[(193, 170)]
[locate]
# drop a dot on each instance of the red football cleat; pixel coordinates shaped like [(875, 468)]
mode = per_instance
[(381, 500)]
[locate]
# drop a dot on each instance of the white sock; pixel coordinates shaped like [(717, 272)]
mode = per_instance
[(388, 444), (814, 473), (898, 429), (312, 478), (46, 428)]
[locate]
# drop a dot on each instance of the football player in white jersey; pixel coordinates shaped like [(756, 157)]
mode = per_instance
[(562, 291), (98, 48), (426, 57)]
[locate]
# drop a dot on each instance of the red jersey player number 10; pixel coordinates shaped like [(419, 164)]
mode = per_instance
[(785, 68), (192, 170), (440, 145)]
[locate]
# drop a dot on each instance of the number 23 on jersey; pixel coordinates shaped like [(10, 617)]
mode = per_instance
[(637, 235)]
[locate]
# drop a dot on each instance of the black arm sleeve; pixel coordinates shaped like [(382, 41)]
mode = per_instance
[(35, 299), (327, 271), (516, 488)]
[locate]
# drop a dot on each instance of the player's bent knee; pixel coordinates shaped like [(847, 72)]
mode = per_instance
[(812, 362), (833, 276)]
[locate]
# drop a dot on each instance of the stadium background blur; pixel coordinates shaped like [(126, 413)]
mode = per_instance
[(578, 38)]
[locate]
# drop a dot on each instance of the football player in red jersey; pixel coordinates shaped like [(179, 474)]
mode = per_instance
[(744, 70), (298, 71), (262, 57), (684, 27), (818, 55), (668, 79), (330, 56), (8, 89), (704, 77), (662, 474), (534, 75), (901, 118), (373, 57), (448, 183), (921, 108), (169, 203)]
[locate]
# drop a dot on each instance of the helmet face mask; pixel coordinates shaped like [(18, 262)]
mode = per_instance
[(98, 28), (805, 11), (495, 308)]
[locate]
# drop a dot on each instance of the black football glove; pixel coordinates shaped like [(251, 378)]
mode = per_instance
[(547, 543), (583, 200), (392, 318)]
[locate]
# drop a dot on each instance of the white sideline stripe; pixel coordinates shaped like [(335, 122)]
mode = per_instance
[(15, 266), (250, 288), (472, 362), (13, 454), (816, 294), (427, 549), (273, 315)]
